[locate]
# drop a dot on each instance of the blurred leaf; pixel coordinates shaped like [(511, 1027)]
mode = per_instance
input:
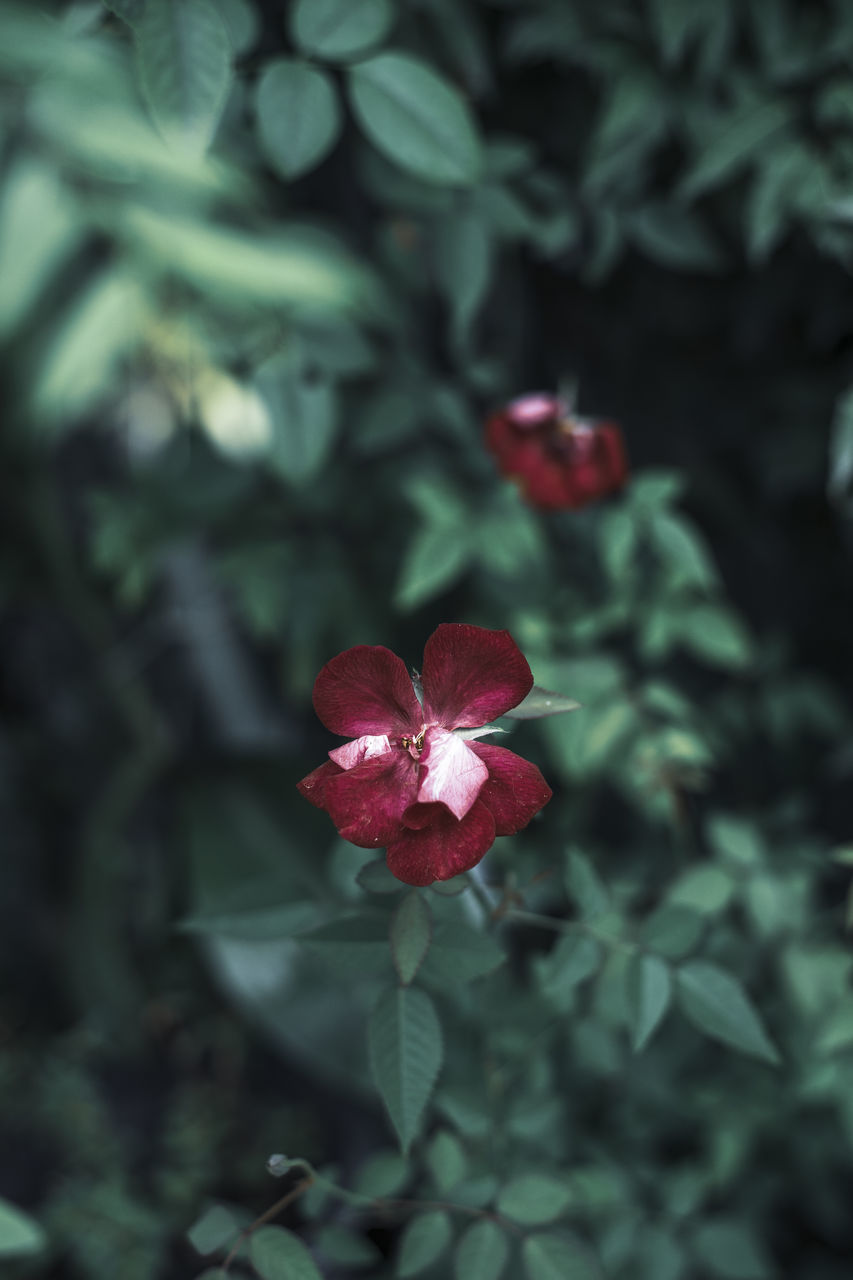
[(339, 29), (683, 549), (706, 889), (735, 840), (656, 488), (675, 238), (298, 114), (573, 959), (541, 702), (384, 1173), (213, 1229), (375, 877), (463, 266), (481, 1253), (648, 992), (416, 118), (129, 11), (717, 1004), (446, 1160), (351, 944), (39, 228), (729, 1248), (584, 885), (715, 634), (533, 1199), (672, 930), (345, 1247), (303, 411), (20, 1235), (241, 22), (184, 64), (411, 931), (460, 954), (558, 1256), (617, 535), (435, 559), (423, 1241), (735, 142), (841, 447), (278, 1254), (253, 923), (406, 1050), (81, 363)]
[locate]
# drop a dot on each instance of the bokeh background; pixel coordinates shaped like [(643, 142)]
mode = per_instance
[(262, 279)]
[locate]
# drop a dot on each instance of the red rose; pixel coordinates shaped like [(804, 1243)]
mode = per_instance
[(558, 460), (410, 781)]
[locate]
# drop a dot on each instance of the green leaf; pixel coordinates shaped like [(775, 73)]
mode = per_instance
[(241, 22), (648, 991), (460, 954), (345, 1247), (303, 411), (423, 1241), (841, 446), (558, 1256), (674, 238), (542, 702), (411, 931), (357, 942), (254, 923), (19, 1233), (339, 29), (383, 1174), (735, 840), (729, 1248), (683, 549), (446, 1160), (534, 1198), (434, 560), (277, 1254), (672, 930), (736, 142), (618, 539), (299, 117), (213, 1229), (39, 228), (575, 958), (716, 635), (415, 118), (481, 1253), (706, 889), (375, 877), (185, 68), (463, 266), (717, 1004), (584, 885), (405, 1043)]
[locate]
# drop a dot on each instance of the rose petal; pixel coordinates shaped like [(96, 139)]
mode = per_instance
[(366, 803), (472, 675), (313, 787), (366, 748), (515, 789), (367, 690), (438, 846), (450, 772), (536, 409)]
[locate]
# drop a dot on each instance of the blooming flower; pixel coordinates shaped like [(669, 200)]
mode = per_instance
[(410, 780), (558, 460)]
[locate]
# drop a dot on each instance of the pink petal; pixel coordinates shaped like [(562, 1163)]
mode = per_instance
[(471, 675), (440, 847), (366, 748), (313, 787), (367, 690), (450, 772), (515, 789), (366, 803)]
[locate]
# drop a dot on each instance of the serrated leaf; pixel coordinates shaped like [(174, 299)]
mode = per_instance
[(415, 118), (299, 116), (405, 1042), (534, 1198), (460, 954), (303, 413), (558, 1256), (423, 1241), (20, 1235), (584, 885), (411, 931), (648, 992), (481, 1253), (185, 68), (434, 560), (339, 29), (542, 702), (717, 1004), (278, 1254)]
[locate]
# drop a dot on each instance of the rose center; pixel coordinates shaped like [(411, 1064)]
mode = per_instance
[(414, 745)]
